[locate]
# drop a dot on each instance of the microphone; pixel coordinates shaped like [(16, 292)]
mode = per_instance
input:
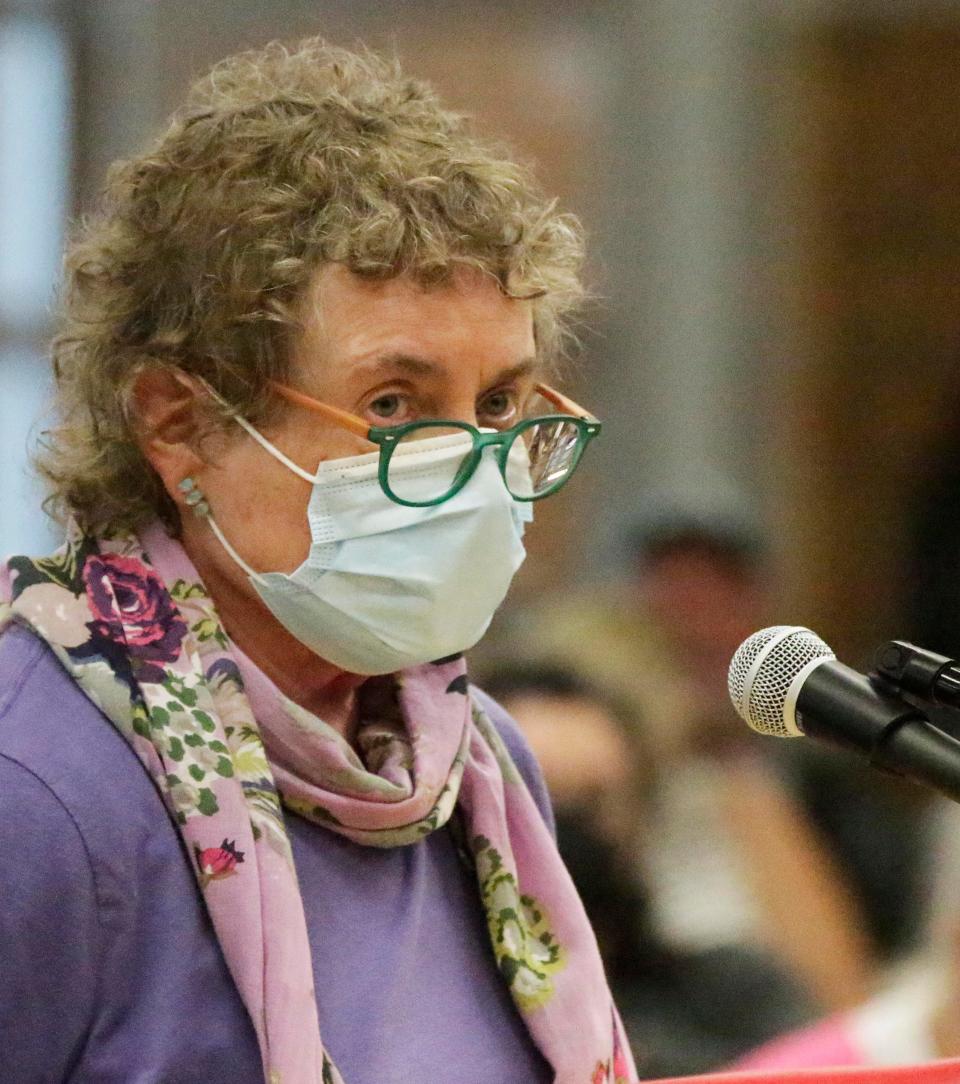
[(786, 681)]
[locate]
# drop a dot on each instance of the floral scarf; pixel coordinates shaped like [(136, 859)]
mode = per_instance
[(141, 638)]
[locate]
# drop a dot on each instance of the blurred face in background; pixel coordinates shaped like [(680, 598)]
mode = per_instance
[(701, 598), (704, 603)]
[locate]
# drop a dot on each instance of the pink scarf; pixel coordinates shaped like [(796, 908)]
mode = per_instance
[(141, 637)]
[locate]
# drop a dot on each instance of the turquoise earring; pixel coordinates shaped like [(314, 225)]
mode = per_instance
[(194, 497)]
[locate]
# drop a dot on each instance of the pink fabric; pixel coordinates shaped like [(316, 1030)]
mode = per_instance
[(938, 1072), (825, 1043)]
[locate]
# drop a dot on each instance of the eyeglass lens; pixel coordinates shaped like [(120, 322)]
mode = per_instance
[(551, 454), (451, 454)]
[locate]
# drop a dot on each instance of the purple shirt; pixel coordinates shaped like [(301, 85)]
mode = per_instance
[(109, 967)]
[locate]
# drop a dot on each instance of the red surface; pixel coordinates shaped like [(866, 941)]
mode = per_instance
[(935, 1072)]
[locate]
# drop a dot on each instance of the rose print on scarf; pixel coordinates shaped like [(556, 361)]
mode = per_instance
[(134, 617), (527, 952), (617, 1071), (112, 607), (621, 1064), (215, 863)]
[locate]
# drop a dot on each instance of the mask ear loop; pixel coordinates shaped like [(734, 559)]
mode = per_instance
[(200, 507), (273, 450), (247, 427), (215, 527)]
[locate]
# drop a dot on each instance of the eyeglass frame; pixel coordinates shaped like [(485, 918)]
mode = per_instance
[(388, 437)]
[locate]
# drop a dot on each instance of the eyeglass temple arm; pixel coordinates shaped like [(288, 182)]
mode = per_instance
[(361, 428), (568, 406), (331, 413)]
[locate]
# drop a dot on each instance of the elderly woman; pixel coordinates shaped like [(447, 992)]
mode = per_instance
[(255, 824)]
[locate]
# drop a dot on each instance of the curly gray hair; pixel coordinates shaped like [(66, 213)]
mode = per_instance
[(281, 161)]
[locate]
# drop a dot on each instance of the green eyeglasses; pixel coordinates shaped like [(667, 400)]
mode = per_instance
[(536, 456)]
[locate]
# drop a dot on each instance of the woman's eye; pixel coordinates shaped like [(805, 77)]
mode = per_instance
[(387, 407), (499, 405)]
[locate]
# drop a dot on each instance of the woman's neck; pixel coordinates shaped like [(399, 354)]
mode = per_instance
[(313, 683)]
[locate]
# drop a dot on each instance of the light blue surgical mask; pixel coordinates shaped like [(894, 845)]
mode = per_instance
[(386, 586)]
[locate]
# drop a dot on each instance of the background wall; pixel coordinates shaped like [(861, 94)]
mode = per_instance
[(770, 188), (35, 190)]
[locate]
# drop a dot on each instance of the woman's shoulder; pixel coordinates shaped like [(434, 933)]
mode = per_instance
[(52, 731), (101, 920), (46, 720), (56, 837)]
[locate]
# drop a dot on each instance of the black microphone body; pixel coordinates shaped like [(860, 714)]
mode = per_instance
[(847, 709), (785, 681)]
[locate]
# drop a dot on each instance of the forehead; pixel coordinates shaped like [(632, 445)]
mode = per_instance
[(466, 323)]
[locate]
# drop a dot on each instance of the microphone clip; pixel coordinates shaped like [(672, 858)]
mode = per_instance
[(923, 674)]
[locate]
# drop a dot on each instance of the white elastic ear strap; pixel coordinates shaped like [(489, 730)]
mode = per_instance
[(215, 527), (275, 452), (258, 437)]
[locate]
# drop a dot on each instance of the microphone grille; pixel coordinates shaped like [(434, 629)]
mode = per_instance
[(762, 672)]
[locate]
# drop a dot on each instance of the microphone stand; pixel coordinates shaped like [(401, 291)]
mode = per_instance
[(923, 674)]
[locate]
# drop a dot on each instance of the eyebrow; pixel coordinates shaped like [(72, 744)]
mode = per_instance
[(523, 368), (424, 367)]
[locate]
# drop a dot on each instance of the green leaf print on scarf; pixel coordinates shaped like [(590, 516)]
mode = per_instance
[(63, 568), (527, 952), (205, 627), (492, 737)]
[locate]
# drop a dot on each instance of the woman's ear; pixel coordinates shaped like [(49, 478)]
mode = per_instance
[(169, 422)]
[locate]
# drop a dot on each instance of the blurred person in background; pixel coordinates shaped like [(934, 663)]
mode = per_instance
[(915, 1015), (254, 823), (685, 1011), (730, 857)]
